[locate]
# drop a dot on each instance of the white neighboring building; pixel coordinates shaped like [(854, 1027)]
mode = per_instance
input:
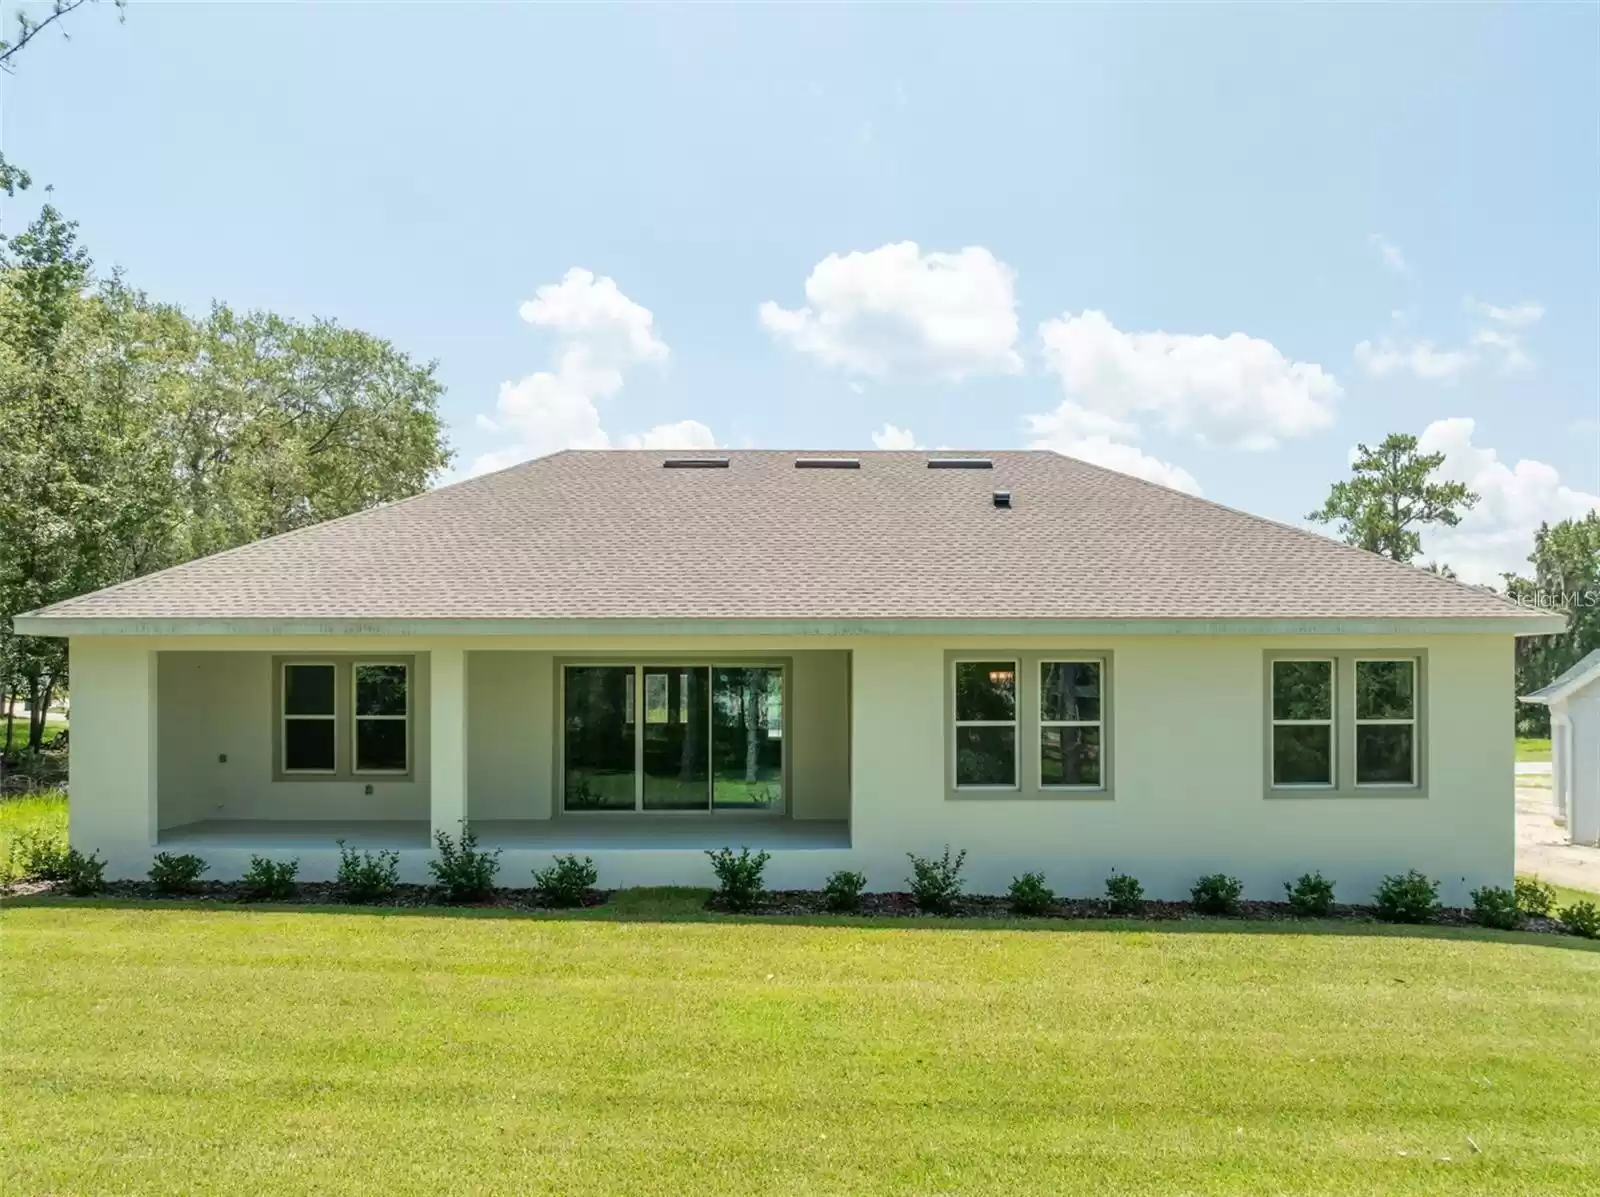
[(1574, 702)]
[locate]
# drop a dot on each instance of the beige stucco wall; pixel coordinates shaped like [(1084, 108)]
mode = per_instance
[(1188, 718), (216, 704), (512, 728), (1189, 728), (510, 734)]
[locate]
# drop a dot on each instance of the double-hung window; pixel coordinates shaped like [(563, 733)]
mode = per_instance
[(310, 718), (1346, 722), (1302, 723), (1071, 728), (986, 724), (382, 717), (1386, 722)]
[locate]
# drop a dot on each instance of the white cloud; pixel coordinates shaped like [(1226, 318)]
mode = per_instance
[(1416, 357), (1503, 334), (1235, 391), (602, 334), (1496, 536), (1498, 339), (1393, 259), (890, 437), (1518, 315), (899, 312), (685, 434), (1090, 436)]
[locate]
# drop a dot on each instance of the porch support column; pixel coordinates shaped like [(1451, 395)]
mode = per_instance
[(111, 770), (447, 746)]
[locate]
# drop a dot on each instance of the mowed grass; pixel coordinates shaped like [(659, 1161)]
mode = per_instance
[(54, 725), (1533, 749), (652, 1050)]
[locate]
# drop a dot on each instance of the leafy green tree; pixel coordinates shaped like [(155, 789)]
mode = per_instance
[(133, 437), (42, 429), (1391, 496), (1566, 579)]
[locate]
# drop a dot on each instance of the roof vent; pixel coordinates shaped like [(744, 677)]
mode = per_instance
[(827, 463), (1002, 498), (696, 463), (960, 463)]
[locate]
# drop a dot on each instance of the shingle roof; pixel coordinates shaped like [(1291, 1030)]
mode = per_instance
[(614, 535)]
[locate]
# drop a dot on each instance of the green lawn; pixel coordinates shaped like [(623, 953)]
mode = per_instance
[(224, 1051), (35, 812), (1533, 750), (54, 725), (1566, 896)]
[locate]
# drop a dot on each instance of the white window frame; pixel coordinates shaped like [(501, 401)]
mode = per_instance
[(1331, 723), (356, 719), (284, 717), (1015, 722), (1414, 723), (1100, 664)]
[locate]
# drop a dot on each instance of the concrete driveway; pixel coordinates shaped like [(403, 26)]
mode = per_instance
[(1542, 848)]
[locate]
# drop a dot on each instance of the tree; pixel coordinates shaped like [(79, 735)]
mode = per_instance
[(1391, 496), (12, 177), (133, 437), (42, 430), (1566, 567)]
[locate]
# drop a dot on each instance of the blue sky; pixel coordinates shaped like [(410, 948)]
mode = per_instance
[(1215, 246)]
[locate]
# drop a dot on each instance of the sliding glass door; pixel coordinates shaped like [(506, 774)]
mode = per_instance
[(676, 743), (747, 738), (599, 767), (681, 737)]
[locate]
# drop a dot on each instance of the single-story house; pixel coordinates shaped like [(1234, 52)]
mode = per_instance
[(639, 656), (1574, 702)]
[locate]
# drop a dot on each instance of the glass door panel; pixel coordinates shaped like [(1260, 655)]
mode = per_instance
[(598, 748), (677, 773), (747, 738)]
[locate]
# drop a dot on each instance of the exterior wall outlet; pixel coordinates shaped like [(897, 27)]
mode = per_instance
[(222, 758), (368, 789)]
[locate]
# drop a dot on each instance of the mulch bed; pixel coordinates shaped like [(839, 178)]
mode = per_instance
[(985, 906), (776, 903), (306, 893)]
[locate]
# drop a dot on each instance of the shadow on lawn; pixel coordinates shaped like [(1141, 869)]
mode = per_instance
[(675, 905)]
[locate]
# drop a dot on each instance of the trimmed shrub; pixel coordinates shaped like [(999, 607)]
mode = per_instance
[(936, 884), (1217, 893), (568, 881), (367, 876), (739, 877), (1030, 895), (38, 856), (267, 879), (1535, 898), (83, 875), (1410, 897), (177, 874), (841, 892), (1582, 918), (1124, 894), (1496, 906), (1311, 896), (463, 871)]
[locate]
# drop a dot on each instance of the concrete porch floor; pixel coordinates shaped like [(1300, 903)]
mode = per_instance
[(593, 833)]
